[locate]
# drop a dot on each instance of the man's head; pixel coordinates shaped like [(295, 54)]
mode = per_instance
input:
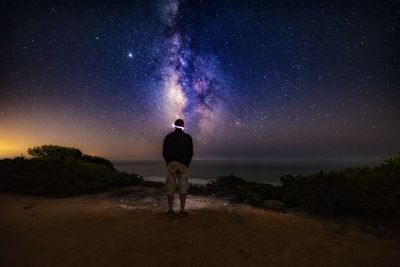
[(179, 124)]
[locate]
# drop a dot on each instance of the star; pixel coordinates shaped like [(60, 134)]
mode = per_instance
[(246, 80)]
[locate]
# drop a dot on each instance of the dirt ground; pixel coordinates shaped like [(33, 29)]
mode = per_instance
[(129, 228)]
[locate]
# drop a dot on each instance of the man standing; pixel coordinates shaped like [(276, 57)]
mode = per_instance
[(177, 152)]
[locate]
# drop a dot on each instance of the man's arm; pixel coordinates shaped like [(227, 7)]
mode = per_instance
[(165, 153), (190, 146)]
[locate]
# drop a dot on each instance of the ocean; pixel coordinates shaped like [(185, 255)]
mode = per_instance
[(264, 171)]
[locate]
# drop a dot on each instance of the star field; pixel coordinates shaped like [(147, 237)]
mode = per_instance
[(251, 79)]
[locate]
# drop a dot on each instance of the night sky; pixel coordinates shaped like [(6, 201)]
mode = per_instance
[(251, 79)]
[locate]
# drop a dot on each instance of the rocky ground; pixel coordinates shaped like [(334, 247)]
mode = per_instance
[(132, 198)]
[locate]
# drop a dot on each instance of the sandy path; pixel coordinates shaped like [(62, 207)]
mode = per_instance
[(98, 231)]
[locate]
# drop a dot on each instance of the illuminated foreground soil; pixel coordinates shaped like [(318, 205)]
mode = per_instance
[(130, 229)]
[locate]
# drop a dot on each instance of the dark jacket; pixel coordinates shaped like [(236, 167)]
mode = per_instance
[(178, 146)]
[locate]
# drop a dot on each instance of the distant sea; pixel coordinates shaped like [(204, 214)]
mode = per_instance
[(264, 171)]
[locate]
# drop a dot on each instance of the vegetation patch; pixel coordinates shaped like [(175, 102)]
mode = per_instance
[(61, 171), (359, 192)]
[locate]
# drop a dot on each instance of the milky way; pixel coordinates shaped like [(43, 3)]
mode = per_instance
[(191, 85)]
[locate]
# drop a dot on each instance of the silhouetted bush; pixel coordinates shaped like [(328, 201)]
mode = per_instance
[(240, 190), (153, 184), (196, 189), (275, 205), (53, 152), (98, 160), (60, 171), (366, 192), (360, 192)]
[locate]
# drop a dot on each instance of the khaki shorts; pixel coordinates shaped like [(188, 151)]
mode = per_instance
[(177, 170)]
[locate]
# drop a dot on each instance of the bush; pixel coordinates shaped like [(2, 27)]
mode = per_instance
[(275, 205), (60, 171), (52, 152), (98, 160), (366, 192), (153, 184), (241, 191)]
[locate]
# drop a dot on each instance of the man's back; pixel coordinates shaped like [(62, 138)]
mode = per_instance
[(178, 146)]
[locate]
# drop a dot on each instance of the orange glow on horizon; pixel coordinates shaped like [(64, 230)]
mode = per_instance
[(10, 148)]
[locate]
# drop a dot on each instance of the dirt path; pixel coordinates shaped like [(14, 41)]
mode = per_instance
[(112, 230)]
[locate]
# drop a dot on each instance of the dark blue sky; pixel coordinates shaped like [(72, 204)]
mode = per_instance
[(251, 79)]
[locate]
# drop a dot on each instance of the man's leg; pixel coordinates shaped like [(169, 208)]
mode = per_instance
[(182, 199), (170, 202), (183, 186), (170, 186)]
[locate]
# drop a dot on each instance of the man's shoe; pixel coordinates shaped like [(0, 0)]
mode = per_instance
[(183, 214)]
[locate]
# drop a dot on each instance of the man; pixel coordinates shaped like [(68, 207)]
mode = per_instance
[(177, 152)]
